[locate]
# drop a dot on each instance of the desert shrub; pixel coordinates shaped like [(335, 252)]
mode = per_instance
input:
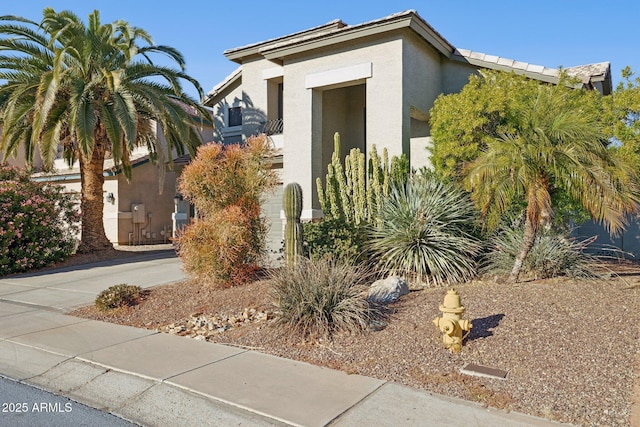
[(38, 222), (118, 296), (335, 237), (226, 175), (226, 184), (553, 254), (426, 232), (221, 249), (315, 298)]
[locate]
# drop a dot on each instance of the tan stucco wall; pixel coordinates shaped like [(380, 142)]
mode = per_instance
[(110, 211), (455, 75), (420, 154), (422, 73), (343, 111), (422, 83), (232, 97), (71, 183), (19, 160), (272, 210), (144, 189), (254, 96), (305, 154)]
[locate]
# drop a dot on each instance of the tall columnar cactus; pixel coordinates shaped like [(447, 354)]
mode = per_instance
[(399, 172), (359, 186), (331, 199), (293, 233), (386, 171), (347, 193), (376, 180)]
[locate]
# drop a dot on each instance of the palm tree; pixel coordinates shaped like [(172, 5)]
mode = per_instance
[(91, 91), (559, 143)]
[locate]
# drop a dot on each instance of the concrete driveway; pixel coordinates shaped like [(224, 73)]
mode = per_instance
[(76, 286)]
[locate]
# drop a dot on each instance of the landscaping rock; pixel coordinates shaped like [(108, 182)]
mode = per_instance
[(387, 290), (201, 326)]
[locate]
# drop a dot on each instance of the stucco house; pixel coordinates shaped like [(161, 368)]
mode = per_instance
[(373, 82), (139, 212)]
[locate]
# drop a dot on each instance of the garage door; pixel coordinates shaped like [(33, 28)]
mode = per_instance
[(271, 210)]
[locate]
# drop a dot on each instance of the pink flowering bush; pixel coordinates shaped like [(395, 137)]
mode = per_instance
[(38, 222)]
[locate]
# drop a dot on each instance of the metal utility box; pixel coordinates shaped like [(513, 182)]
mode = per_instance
[(138, 212)]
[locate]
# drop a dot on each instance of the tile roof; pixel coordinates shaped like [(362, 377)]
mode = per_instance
[(236, 74), (292, 39), (320, 29), (597, 72), (337, 30), (492, 61), (586, 73), (61, 168)]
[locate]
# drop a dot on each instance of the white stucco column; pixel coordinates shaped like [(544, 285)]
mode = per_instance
[(180, 216)]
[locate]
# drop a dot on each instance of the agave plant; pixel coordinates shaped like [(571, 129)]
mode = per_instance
[(426, 232)]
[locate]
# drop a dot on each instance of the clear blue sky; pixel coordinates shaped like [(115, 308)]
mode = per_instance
[(550, 33)]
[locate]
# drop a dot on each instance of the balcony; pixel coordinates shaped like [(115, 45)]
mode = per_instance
[(273, 127)]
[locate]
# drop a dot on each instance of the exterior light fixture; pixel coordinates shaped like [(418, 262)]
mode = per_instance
[(177, 199), (110, 198)]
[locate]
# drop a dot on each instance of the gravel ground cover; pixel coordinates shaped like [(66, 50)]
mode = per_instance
[(569, 346)]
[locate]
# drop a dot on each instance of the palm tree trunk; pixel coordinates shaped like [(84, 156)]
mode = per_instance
[(530, 231), (93, 237)]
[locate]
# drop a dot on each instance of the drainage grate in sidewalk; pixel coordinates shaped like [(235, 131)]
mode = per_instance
[(483, 371)]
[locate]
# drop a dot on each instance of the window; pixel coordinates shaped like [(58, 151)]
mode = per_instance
[(235, 116)]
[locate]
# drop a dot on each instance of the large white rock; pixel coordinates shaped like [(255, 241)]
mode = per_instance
[(387, 290)]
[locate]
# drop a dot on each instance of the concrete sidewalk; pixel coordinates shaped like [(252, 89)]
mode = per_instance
[(158, 379)]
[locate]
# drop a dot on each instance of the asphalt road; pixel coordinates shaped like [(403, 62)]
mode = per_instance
[(24, 406)]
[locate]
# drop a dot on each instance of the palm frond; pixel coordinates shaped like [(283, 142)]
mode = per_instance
[(66, 83), (125, 111)]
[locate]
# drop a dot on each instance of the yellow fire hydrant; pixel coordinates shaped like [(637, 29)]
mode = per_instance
[(450, 324)]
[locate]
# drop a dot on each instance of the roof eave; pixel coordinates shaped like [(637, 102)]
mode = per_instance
[(406, 20), (229, 81), (73, 173), (602, 77), (428, 33), (279, 52), (240, 54)]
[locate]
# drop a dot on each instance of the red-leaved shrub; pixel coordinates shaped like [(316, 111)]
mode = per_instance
[(226, 183)]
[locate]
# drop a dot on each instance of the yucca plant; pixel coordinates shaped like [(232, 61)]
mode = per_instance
[(552, 254), (426, 232), (316, 298)]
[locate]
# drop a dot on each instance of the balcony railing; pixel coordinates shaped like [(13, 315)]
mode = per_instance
[(273, 127)]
